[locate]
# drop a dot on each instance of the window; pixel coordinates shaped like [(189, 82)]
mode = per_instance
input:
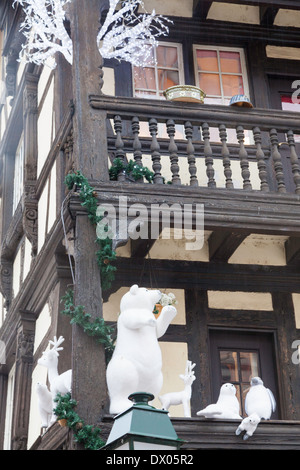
[(220, 72), (237, 356), (18, 174), (166, 71), (237, 367)]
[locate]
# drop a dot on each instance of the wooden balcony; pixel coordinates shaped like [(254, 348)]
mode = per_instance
[(241, 163), (200, 434)]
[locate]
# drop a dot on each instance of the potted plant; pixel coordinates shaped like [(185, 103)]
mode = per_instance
[(166, 299)]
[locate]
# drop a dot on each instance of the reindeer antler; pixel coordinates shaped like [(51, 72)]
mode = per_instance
[(56, 343), (189, 368)]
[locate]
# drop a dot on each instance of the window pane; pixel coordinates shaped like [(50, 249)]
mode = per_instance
[(207, 60), (144, 78), (244, 389), (167, 78), (232, 85), (167, 57), (210, 83), (249, 365), (230, 62), (229, 366)]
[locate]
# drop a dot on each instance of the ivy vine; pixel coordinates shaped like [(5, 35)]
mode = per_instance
[(85, 434), (96, 328), (106, 254), (132, 169), (88, 435)]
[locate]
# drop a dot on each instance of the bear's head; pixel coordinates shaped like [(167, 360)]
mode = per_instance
[(140, 297)]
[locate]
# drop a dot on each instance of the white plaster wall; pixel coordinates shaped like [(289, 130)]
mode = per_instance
[(262, 250), (52, 198), (287, 18), (5, 113), (283, 52), (2, 310), (111, 308), (20, 71), (46, 131), (170, 248), (42, 325), (170, 7), (296, 302), (42, 205), (109, 81), (201, 171), (17, 273), (174, 357), (9, 408), (240, 300), (39, 374), (43, 80), (27, 258), (234, 13)]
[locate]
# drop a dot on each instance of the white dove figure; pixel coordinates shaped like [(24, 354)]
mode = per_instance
[(227, 406), (249, 424), (259, 399)]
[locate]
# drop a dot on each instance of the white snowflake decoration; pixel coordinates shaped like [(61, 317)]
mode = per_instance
[(127, 36), (45, 31)]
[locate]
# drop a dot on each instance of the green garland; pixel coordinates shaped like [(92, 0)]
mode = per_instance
[(96, 328), (105, 255), (84, 434), (131, 168)]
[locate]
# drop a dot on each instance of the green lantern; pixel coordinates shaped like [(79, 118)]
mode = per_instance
[(142, 427)]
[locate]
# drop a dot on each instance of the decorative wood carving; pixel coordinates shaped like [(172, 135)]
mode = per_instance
[(6, 273)]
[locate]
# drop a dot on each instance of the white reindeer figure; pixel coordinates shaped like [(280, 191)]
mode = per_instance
[(176, 398), (59, 383)]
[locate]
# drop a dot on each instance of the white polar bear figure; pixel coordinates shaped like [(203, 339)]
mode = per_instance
[(136, 362), (249, 424)]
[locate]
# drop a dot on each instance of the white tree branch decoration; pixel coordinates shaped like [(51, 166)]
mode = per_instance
[(127, 36), (124, 35), (45, 31)]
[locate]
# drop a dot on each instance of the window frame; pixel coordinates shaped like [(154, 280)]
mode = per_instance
[(262, 341), (244, 73), (181, 73)]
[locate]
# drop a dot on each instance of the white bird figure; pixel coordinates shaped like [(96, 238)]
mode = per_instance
[(227, 406), (249, 424), (259, 399)]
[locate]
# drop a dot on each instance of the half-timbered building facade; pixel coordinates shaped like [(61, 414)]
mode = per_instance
[(238, 287)]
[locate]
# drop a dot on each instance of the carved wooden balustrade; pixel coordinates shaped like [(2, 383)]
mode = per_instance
[(199, 140)]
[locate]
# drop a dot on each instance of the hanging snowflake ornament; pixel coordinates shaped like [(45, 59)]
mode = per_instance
[(129, 36), (45, 31)]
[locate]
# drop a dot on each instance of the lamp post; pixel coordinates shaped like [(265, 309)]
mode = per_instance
[(142, 427)]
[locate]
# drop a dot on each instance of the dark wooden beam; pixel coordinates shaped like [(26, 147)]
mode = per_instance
[(201, 9), (222, 244), (292, 251), (286, 4), (207, 276), (268, 15), (140, 248)]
